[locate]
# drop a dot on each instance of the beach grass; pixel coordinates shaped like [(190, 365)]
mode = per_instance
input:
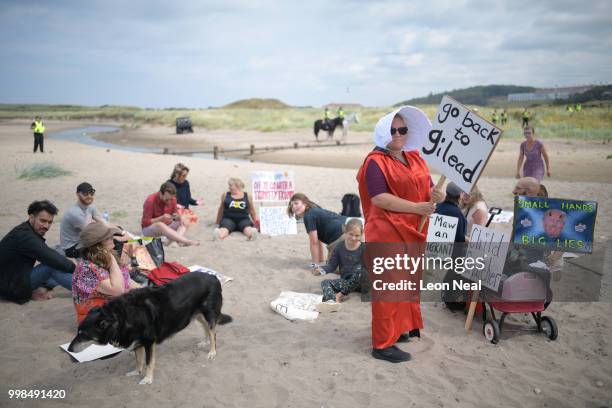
[(551, 121), (42, 170)]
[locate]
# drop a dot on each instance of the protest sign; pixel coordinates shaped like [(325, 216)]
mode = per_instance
[(559, 224), (460, 143), (275, 221), (492, 246), (441, 235), (273, 185)]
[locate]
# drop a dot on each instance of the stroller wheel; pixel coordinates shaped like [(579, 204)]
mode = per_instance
[(549, 327), (490, 329)]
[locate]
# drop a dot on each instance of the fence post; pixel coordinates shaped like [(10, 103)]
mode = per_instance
[(252, 150), (216, 152)]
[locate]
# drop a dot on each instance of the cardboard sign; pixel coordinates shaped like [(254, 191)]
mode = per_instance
[(273, 185), (442, 228), (492, 246), (275, 221), (460, 143), (441, 236), (559, 224)]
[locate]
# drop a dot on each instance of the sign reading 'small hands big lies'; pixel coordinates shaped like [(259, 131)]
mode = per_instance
[(460, 143)]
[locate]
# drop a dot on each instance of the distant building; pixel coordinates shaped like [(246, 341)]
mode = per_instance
[(548, 94)]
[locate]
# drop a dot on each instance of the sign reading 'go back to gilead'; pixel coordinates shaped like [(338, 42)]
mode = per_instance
[(459, 143), (562, 225)]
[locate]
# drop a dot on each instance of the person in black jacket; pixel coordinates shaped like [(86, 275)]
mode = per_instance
[(20, 281)]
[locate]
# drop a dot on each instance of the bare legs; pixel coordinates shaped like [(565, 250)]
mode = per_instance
[(161, 229)]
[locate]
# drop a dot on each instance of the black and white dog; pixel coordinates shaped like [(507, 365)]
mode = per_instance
[(145, 317)]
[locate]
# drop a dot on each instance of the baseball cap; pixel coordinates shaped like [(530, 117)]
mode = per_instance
[(95, 233), (453, 190), (85, 188)]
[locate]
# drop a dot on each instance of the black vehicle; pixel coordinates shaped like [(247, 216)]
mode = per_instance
[(184, 125)]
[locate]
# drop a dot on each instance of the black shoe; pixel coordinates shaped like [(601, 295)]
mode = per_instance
[(391, 354), (414, 333), (403, 338)]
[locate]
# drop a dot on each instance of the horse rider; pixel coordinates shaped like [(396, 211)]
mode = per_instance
[(327, 118), (341, 113)]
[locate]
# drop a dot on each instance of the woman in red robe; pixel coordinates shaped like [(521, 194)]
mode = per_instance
[(396, 191)]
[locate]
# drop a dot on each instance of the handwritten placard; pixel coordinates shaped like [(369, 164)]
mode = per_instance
[(441, 236), (492, 246), (273, 185), (460, 143), (557, 223), (275, 221)]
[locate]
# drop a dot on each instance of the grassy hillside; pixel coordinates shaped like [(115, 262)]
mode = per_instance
[(476, 95), (256, 103), (593, 122)]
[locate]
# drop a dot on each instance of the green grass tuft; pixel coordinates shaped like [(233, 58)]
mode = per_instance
[(41, 170)]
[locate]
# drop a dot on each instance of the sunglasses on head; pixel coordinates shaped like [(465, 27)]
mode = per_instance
[(402, 130)]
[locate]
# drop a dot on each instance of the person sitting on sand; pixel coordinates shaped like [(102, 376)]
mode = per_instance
[(98, 275), (80, 214), (322, 226), (527, 186), (236, 212), (25, 245), (347, 256), (160, 217), (183, 192), (474, 207)]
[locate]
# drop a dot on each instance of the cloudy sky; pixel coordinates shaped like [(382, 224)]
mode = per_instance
[(204, 53)]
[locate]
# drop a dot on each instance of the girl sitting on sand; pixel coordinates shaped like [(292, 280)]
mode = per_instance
[(322, 226), (347, 256)]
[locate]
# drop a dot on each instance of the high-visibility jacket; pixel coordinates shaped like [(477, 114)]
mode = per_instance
[(327, 116), (39, 127), (525, 115), (340, 113)]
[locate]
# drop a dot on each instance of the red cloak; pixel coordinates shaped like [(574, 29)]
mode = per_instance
[(411, 182)]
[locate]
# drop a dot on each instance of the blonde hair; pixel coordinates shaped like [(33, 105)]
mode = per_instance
[(352, 223), (178, 169), (236, 181), (475, 196)]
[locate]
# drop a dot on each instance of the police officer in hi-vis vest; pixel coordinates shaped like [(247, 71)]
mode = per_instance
[(39, 130)]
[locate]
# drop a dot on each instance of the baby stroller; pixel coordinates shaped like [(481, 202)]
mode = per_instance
[(523, 290)]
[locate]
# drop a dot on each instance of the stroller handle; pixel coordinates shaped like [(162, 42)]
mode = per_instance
[(493, 211)]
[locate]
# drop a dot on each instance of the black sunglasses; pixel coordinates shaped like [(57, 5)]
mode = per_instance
[(89, 193), (402, 131)]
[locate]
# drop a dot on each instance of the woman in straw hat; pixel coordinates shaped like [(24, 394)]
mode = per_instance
[(98, 275), (396, 192)]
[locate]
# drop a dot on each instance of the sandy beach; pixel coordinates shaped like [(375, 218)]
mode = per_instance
[(262, 359)]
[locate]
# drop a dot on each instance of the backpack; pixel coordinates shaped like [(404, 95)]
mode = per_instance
[(351, 206)]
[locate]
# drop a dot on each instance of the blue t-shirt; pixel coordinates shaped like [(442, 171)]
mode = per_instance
[(327, 224)]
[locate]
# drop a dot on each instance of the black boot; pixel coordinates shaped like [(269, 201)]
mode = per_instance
[(391, 354), (415, 333)]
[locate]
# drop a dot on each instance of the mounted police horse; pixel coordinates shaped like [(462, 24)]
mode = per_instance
[(333, 124), (330, 127)]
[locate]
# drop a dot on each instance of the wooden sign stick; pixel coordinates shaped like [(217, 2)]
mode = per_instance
[(471, 310), (439, 185)]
